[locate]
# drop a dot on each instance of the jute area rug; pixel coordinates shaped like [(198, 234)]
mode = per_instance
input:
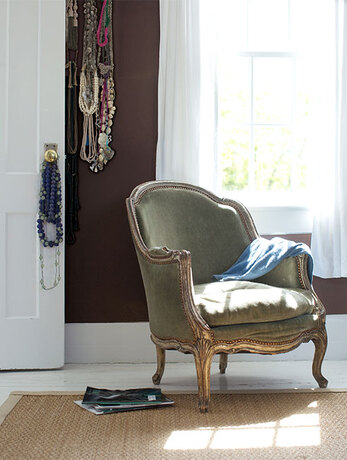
[(238, 426)]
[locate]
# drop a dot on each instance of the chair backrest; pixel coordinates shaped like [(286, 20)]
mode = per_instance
[(181, 216)]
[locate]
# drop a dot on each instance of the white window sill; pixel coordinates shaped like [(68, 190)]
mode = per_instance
[(282, 220), (276, 214)]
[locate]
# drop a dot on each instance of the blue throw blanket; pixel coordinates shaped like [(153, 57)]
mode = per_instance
[(263, 255)]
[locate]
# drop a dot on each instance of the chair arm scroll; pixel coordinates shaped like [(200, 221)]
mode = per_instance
[(167, 279)]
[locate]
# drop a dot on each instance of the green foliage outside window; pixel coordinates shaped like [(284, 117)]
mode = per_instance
[(279, 156)]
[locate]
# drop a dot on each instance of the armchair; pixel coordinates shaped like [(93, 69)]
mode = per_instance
[(183, 235)]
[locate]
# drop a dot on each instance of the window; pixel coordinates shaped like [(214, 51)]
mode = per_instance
[(269, 82)]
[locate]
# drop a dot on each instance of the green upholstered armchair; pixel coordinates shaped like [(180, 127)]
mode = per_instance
[(183, 235)]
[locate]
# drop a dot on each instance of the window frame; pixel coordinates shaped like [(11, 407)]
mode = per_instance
[(275, 212)]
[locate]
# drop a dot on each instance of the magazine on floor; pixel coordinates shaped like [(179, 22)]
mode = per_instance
[(102, 401)]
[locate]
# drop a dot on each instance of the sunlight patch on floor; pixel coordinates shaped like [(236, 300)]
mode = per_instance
[(242, 438), (300, 436), (189, 439), (294, 430), (300, 420)]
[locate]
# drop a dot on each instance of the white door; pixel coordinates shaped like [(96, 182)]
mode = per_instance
[(31, 114)]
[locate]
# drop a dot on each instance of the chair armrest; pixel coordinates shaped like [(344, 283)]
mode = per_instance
[(289, 273), (292, 273), (167, 279)]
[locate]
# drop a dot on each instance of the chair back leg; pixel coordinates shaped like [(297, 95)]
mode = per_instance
[(223, 362), (160, 365)]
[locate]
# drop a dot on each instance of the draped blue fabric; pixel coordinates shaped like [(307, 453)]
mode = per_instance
[(263, 255)]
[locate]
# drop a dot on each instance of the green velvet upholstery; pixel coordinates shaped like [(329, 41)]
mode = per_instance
[(276, 331), (162, 286), (184, 219), (173, 216), (285, 275), (242, 302)]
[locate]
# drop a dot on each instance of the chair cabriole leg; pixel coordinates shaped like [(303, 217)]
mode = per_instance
[(223, 362), (160, 365), (320, 343)]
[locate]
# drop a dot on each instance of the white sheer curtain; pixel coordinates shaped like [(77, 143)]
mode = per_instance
[(187, 146), (187, 141), (329, 235)]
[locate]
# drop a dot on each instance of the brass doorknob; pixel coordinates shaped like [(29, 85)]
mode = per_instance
[(51, 155)]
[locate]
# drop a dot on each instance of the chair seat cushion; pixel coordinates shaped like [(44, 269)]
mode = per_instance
[(275, 331), (244, 302)]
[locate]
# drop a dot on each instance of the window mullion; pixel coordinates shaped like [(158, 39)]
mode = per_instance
[(289, 22), (294, 163), (251, 168)]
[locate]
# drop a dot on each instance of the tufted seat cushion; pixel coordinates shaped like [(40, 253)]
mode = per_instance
[(243, 302)]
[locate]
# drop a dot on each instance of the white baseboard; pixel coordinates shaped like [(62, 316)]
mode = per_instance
[(130, 343)]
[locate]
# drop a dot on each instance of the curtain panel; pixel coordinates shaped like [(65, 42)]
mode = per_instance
[(329, 235), (179, 91), (187, 95), (187, 148)]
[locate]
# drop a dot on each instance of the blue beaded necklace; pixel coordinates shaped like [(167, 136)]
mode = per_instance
[(50, 208)]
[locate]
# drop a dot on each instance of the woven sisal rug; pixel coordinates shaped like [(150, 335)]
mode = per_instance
[(238, 426)]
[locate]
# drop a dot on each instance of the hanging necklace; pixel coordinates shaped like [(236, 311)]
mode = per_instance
[(72, 24), (106, 108), (50, 206), (89, 82), (71, 126)]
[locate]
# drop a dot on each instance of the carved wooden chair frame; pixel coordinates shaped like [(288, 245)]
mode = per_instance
[(204, 347)]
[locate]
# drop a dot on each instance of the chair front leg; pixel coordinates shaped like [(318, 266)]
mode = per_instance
[(160, 365), (320, 343), (203, 358)]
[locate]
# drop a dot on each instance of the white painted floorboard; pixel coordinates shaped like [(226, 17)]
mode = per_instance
[(240, 376)]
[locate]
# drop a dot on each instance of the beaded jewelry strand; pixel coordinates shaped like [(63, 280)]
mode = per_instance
[(97, 71), (50, 207), (89, 82), (107, 23), (72, 24), (107, 109), (71, 125)]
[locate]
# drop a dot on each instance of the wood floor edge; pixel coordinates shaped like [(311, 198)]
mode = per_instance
[(216, 391), (9, 405), (260, 391)]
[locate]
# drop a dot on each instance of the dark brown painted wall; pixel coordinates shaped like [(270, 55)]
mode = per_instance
[(103, 282)]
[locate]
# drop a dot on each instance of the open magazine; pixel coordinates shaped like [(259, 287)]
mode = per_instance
[(102, 401)]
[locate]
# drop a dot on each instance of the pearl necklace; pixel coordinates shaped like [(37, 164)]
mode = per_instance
[(89, 96)]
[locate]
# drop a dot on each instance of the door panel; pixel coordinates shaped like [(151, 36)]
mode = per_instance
[(31, 114)]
